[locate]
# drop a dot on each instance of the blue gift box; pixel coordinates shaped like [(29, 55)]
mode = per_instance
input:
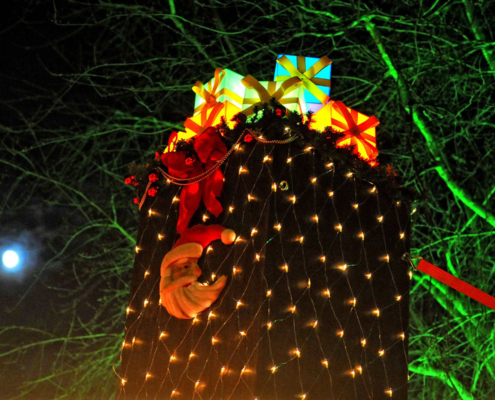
[(322, 78)]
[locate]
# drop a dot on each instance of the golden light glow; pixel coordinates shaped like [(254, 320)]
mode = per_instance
[(349, 174), (133, 340), (325, 363), (250, 197), (160, 236), (289, 160), (254, 231), (376, 311), (138, 249), (309, 283), (323, 258), (223, 370), (331, 194), (267, 158), (297, 352), (342, 267), (315, 324), (329, 165), (402, 235), (274, 187), (173, 358), (373, 189), (192, 355), (128, 310), (195, 319), (150, 212), (381, 352), (340, 333), (146, 273), (353, 373), (356, 206), (361, 235), (205, 217), (389, 392), (363, 342), (148, 375), (123, 344), (196, 384), (315, 218), (359, 368), (410, 274), (402, 336), (175, 199), (257, 257), (162, 335), (209, 249), (231, 209), (211, 315), (293, 199), (386, 257), (123, 381), (213, 340), (268, 293), (146, 302), (368, 276), (380, 218), (300, 239), (327, 293), (338, 227), (273, 369), (278, 227), (238, 304), (242, 170), (234, 270), (285, 267), (313, 180), (309, 148), (353, 302), (269, 325), (292, 309)]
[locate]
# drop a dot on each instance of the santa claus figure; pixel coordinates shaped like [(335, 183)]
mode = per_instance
[(180, 292)]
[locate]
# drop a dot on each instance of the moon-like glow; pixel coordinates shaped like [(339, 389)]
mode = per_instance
[(10, 259)]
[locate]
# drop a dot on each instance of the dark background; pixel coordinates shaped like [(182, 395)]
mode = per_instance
[(88, 87)]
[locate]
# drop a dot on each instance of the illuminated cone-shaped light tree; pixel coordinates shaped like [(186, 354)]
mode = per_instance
[(315, 303)]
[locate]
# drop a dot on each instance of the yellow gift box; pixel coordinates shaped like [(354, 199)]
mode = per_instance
[(211, 117)]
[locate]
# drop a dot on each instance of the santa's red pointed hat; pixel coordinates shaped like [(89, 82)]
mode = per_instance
[(194, 240)]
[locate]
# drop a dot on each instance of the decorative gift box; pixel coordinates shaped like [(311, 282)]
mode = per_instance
[(199, 122), (257, 93), (315, 74), (225, 85)]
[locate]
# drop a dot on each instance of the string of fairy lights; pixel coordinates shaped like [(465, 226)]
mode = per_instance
[(213, 324)]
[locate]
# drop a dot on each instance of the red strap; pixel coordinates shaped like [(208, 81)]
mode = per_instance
[(456, 283)]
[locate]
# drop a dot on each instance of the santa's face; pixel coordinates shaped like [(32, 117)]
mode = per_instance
[(185, 267), (181, 293)]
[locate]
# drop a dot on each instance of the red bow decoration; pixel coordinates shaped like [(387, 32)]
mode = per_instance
[(356, 132), (210, 149)]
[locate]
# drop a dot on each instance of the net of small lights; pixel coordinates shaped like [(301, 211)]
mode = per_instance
[(316, 304)]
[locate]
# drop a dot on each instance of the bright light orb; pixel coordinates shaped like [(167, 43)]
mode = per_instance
[(10, 259)]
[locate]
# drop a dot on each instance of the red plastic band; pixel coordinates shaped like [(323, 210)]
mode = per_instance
[(456, 283)]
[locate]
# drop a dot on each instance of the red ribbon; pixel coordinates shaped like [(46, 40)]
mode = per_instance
[(456, 283), (354, 131), (210, 149)]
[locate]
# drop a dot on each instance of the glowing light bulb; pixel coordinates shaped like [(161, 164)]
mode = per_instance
[(402, 336), (410, 274), (363, 342), (162, 335), (175, 199), (342, 267), (285, 267), (309, 283), (313, 180), (138, 249), (353, 373), (194, 320), (386, 258), (205, 217), (353, 301), (327, 293), (254, 231), (309, 148), (300, 239), (330, 165), (381, 352), (242, 170), (361, 235), (196, 384), (349, 174), (289, 160), (315, 324), (398, 297), (315, 218), (389, 392), (274, 187), (257, 257), (211, 315), (402, 235), (250, 197), (278, 227), (192, 355), (338, 227), (160, 236), (368, 276), (128, 310), (273, 369), (213, 340), (340, 333), (146, 273), (146, 302), (267, 158), (293, 199), (325, 363), (323, 258), (222, 370), (123, 381), (297, 352), (173, 358), (269, 325), (234, 270), (209, 249), (123, 344), (376, 311), (231, 209), (360, 369), (292, 309), (238, 304), (268, 293), (150, 212), (331, 194), (373, 189), (356, 206), (242, 333), (380, 218)]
